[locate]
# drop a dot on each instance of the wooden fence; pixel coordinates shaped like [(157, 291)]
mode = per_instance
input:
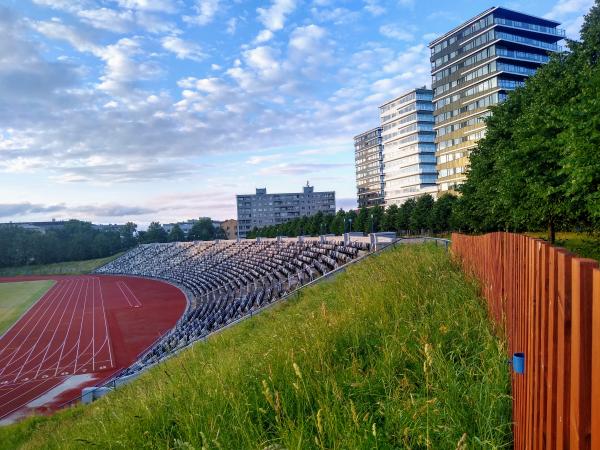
[(547, 301)]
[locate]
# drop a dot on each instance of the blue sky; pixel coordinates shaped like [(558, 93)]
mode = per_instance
[(116, 110)]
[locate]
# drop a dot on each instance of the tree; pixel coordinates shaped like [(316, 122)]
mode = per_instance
[(128, 234), (155, 233), (202, 230), (390, 218), (404, 215), (421, 213), (176, 234), (441, 213)]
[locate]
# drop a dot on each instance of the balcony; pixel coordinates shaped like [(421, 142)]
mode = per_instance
[(527, 41), (530, 27)]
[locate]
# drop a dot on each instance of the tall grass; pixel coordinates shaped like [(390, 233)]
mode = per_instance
[(397, 352)]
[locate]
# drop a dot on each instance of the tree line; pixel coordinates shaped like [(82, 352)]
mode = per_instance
[(74, 241), (202, 230), (78, 240), (415, 216)]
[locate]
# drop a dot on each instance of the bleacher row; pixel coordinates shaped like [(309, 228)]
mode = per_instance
[(227, 280)]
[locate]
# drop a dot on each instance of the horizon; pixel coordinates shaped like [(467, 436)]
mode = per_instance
[(164, 110)]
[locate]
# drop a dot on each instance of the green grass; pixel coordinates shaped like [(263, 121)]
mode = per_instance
[(397, 352), (15, 298), (582, 244), (62, 268)]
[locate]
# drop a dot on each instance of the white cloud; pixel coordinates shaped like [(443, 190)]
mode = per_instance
[(108, 19), (232, 25), (183, 49), (59, 31), (264, 36), (339, 16), (205, 12), (396, 31), (64, 5), (571, 14), (374, 7), (274, 17), (165, 6), (259, 159)]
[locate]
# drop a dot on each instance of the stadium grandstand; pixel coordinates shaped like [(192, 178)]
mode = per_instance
[(227, 280)]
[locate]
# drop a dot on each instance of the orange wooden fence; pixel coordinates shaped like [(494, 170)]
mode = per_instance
[(547, 301)]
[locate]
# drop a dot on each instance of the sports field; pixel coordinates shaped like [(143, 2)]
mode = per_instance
[(82, 330), (15, 298)]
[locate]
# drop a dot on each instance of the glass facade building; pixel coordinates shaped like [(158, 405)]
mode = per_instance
[(407, 134), (262, 209), (473, 67), (368, 158)]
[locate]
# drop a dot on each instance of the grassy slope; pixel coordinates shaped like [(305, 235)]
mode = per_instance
[(62, 268), (582, 244), (393, 352), (15, 298)]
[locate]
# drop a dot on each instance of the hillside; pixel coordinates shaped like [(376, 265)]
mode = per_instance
[(396, 352)]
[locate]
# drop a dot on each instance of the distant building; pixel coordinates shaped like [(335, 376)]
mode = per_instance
[(262, 209), (473, 67), (230, 228), (408, 146), (187, 225), (368, 157)]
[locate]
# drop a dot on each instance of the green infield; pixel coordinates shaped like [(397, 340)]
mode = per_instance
[(15, 298)]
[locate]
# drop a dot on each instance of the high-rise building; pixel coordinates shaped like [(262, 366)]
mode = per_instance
[(473, 67), (368, 157), (408, 146), (262, 209)]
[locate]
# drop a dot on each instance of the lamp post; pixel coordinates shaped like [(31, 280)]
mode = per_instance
[(372, 224)]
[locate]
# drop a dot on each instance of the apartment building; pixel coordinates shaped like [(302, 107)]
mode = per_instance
[(368, 157), (407, 134), (262, 209), (473, 67)]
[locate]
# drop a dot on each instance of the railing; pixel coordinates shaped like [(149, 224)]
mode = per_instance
[(547, 301), (529, 26)]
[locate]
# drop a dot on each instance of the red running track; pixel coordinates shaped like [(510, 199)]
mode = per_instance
[(83, 330)]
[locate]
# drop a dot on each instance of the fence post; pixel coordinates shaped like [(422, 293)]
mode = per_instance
[(581, 356), (563, 354), (595, 350)]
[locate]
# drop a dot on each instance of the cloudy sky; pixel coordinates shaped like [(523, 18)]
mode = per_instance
[(116, 110)]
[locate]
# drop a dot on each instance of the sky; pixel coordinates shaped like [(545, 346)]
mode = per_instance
[(142, 110)]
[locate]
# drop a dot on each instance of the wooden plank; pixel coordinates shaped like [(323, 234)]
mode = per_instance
[(563, 356), (552, 350), (543, 343), (595, 350), (581, 357)]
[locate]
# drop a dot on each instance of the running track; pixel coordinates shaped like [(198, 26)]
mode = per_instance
[(83, 330)]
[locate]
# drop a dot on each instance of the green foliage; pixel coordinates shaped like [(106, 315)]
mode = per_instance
[(176, 234), (420, 217), (75, 241), (413, 216), (61, 268), (409, 361), (154, 233), (203, 230), (440, 218), (539, 164)]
